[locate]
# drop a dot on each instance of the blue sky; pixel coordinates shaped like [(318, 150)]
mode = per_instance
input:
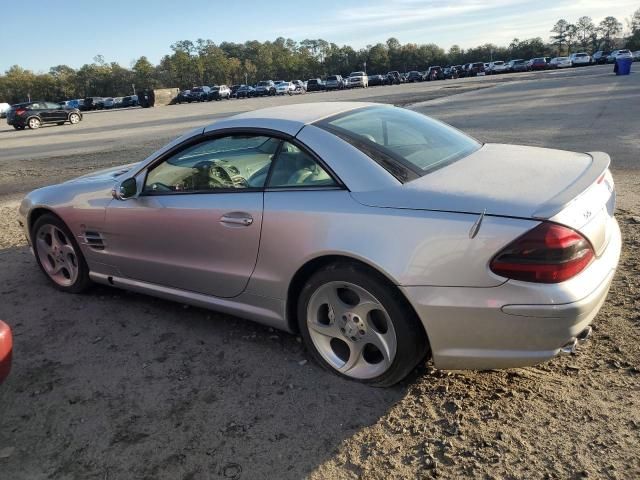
[(122, 31)]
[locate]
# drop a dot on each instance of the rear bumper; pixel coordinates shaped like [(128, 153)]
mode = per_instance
[(515, 324)]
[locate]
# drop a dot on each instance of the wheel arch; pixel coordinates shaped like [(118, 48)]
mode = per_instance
[(305, 272), (38, 212), (35, 115)]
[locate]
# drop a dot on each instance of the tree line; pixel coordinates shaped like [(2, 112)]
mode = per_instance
[(204, 62)]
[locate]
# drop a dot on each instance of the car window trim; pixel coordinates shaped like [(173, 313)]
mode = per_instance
[(224, 132)]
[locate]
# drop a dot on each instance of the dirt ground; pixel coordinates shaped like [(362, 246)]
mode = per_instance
[(115, 385)]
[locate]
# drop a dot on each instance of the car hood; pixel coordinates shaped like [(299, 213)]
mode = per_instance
[(102, 175), (504, 180)]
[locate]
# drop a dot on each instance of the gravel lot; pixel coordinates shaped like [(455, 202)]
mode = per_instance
[(114, 385)]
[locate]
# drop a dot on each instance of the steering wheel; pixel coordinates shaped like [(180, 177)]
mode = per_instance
[(206, 175)]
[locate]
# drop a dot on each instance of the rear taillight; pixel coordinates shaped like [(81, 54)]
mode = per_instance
[(549, 253), (20, 111)]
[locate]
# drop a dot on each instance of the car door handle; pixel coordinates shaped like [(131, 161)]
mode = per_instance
[(241, 219)]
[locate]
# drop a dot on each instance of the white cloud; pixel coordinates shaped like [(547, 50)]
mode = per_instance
[(465, 22)]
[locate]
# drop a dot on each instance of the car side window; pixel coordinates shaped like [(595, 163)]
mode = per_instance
[(296, 168), (36, 106), (51, 105), (234, 162)]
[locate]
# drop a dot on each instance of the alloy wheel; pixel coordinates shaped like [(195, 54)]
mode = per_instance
[(351, 330), (57, 255)]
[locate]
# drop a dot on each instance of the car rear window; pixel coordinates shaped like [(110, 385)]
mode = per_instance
[(406, 143)]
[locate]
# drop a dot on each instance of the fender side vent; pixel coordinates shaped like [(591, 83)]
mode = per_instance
[(93, 240)]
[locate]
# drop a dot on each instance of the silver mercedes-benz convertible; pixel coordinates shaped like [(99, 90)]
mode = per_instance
[(379, 234)]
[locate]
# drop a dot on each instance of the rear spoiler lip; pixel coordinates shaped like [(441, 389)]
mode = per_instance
[(600, 161)]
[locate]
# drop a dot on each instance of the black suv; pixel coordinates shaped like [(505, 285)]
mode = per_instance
[(34, 114), (414, 76), (315, 85)]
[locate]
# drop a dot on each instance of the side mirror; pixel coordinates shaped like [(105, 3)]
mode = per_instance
[(128, 188)]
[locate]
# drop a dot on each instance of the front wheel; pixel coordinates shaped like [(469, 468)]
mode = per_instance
[(74, 118), (358, 325), (59, 255)]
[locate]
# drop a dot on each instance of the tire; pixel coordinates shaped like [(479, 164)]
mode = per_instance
[(59, 255), (19, 127), (74, 118), (34, 123), (356, 324), (60, 123)]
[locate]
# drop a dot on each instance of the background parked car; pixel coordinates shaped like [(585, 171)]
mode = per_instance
[(219, 92), (618, 54), (497, 67), (580, 59), (200, 94), (358, 79), (538, 64), (477, 68), (560, 62), (394, 77), (434, 73), (517, 65), (117, 102), (600, 57), (183, 97), (245, 91), (130, 101), (108, 103), (377, 80), (315, 85), (301, 87), (35, 114), (4, 108), (335, 82), (414, 76), (265, 87), (636, 56), (285, 88)]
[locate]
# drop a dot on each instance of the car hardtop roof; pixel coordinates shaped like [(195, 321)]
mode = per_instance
[(288, 118)]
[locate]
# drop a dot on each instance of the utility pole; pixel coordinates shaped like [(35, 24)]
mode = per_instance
[(133, 87)]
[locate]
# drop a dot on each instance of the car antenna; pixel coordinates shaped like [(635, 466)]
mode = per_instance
[(475, 228)]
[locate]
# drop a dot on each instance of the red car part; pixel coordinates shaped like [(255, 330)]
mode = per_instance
[(6, 349)]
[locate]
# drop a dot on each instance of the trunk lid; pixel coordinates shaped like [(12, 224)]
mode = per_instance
[(575, 189)]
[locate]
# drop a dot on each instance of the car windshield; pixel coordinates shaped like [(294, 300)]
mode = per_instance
[(263, 84), (357, 74), (395, 135)]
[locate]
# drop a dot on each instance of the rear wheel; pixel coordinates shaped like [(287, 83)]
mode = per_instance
[(34, 123), (357, 325), (19, 127), (60, 123), (59, 255)]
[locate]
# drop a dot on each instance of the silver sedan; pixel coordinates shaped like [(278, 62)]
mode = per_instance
[(381, 235)]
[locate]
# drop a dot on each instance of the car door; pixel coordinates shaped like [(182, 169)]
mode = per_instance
[(55, 113), (196, 224)]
